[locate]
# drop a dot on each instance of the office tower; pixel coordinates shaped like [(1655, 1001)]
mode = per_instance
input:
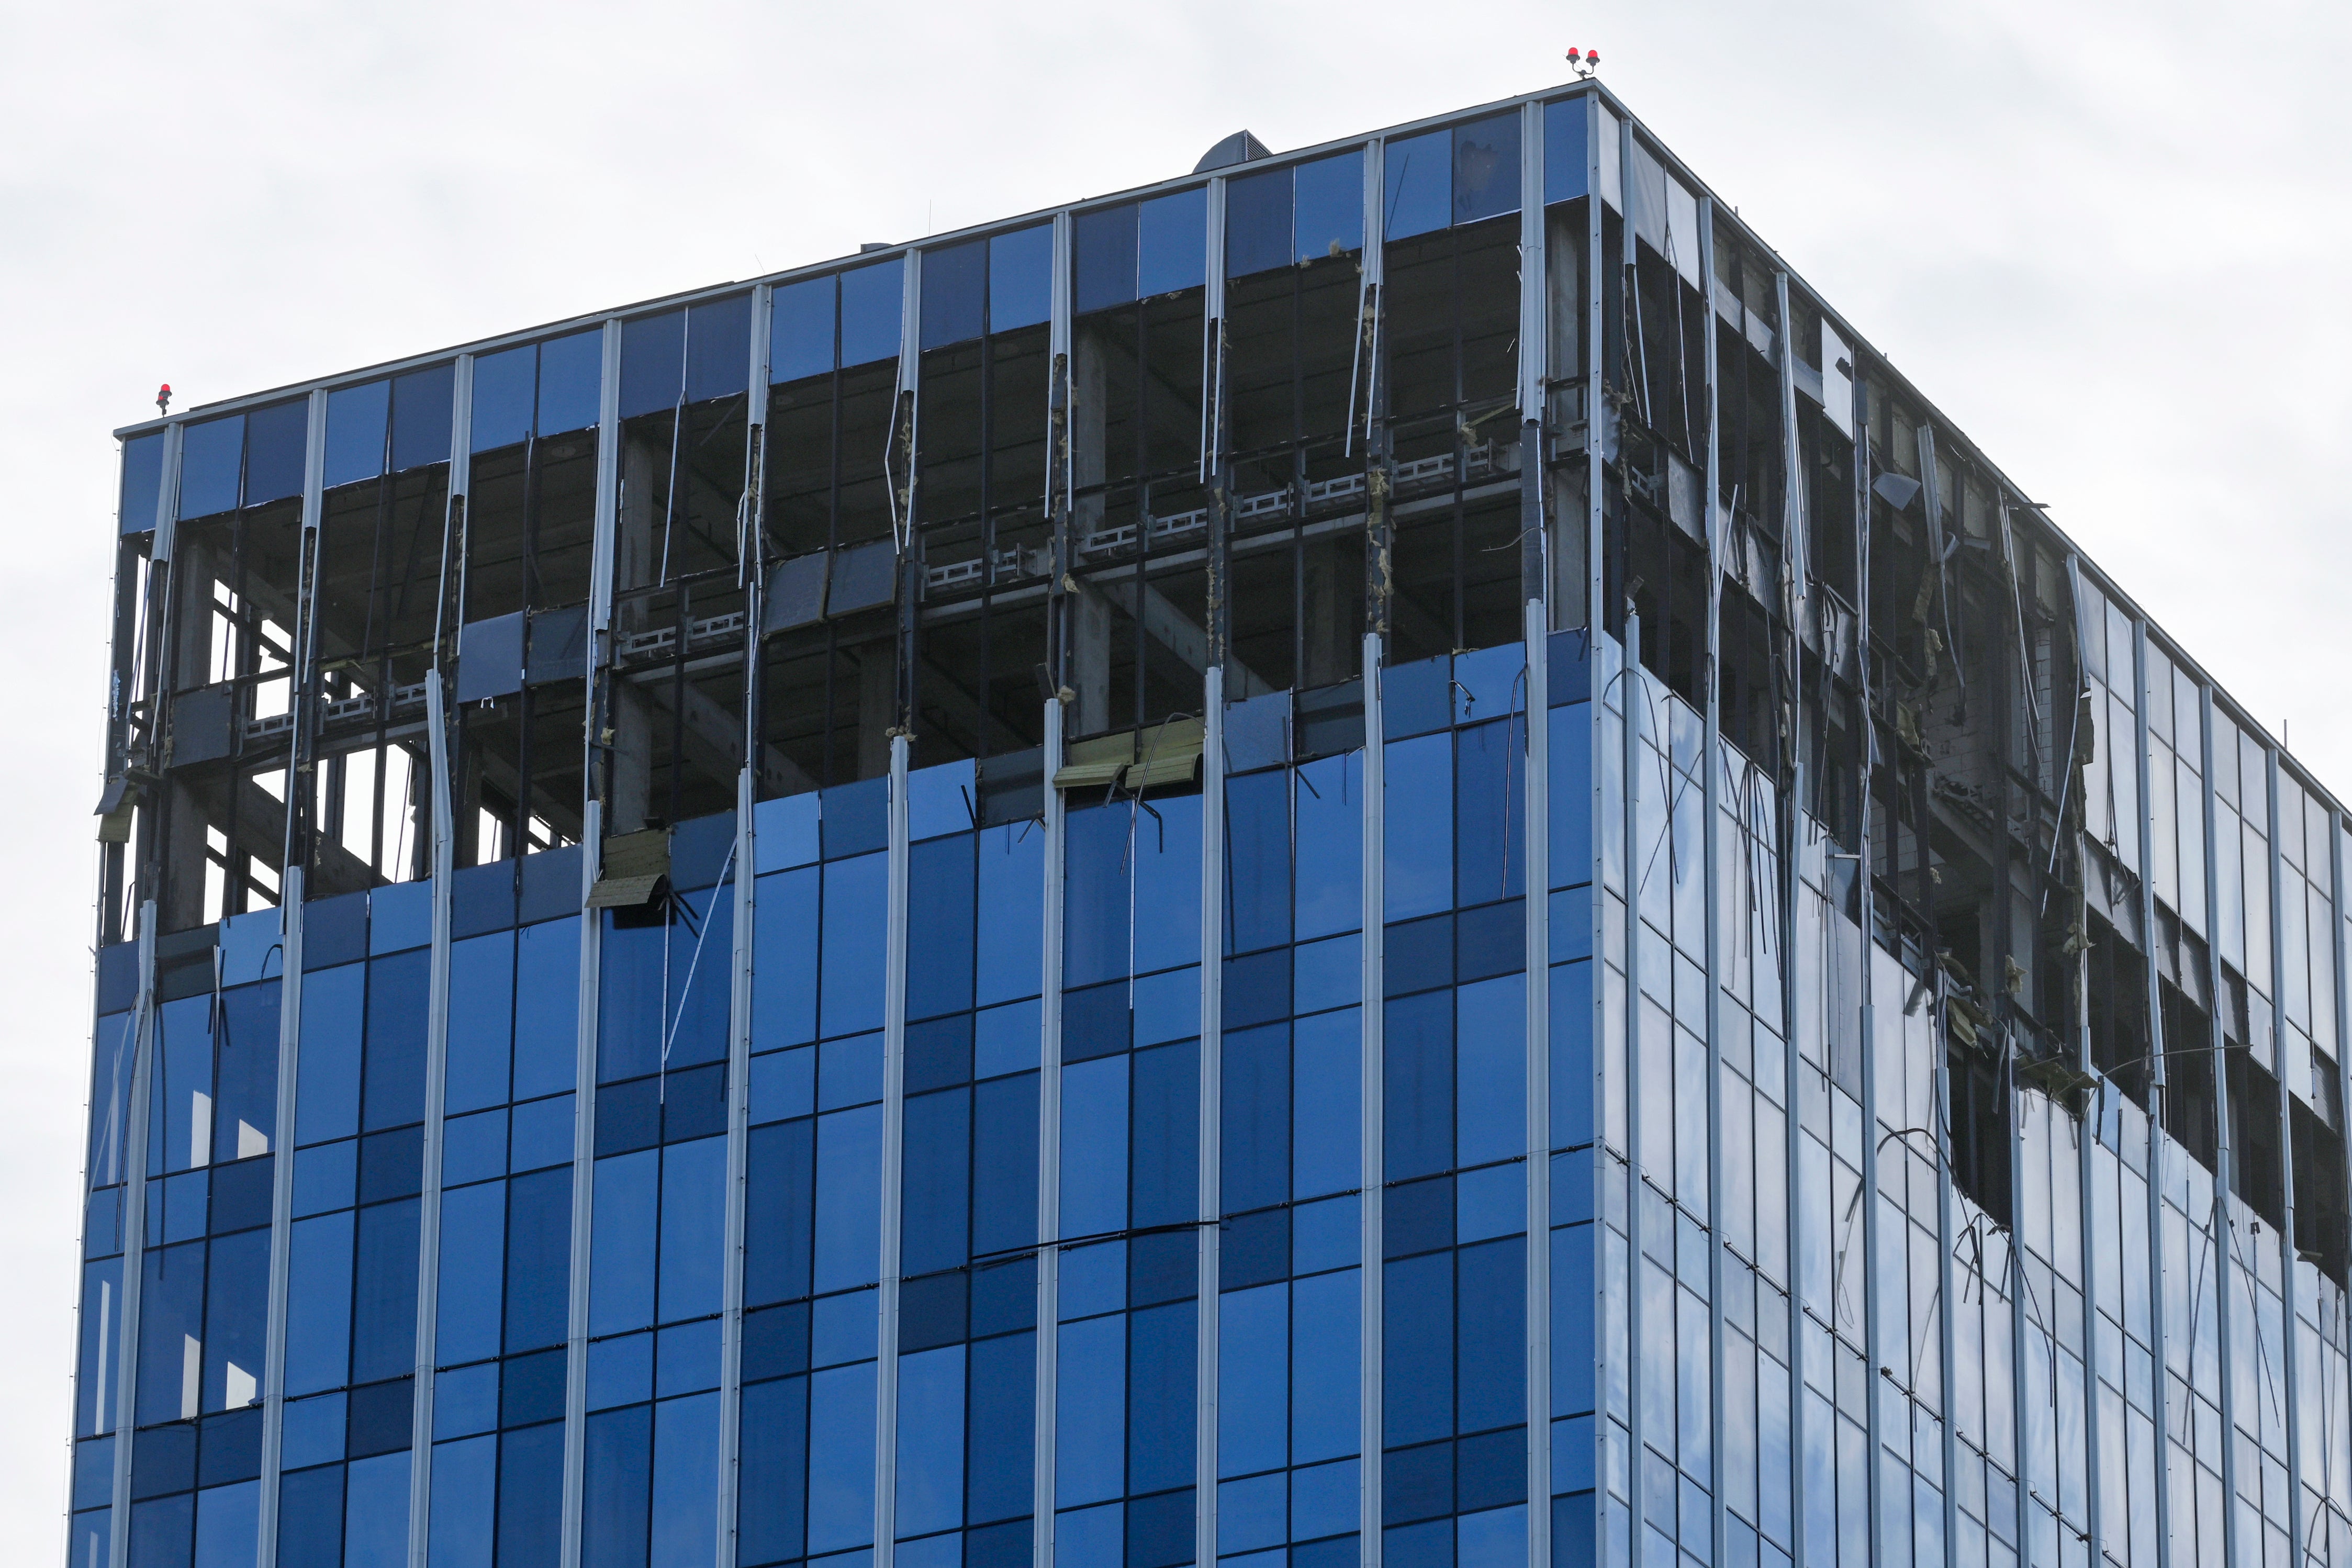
[(1378, 853)]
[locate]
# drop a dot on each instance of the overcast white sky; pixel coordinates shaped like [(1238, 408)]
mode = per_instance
[(2105, 238)]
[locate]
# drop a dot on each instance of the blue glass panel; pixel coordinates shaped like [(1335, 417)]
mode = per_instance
[(1419, 1050), (1331, 207), (473, 1250), (773, 1461), (954, 293), (1326, 1098), (941, 800), (1565, 157), (1004, 1397), (357, 418), (319, 1304), (1102, 245), (1257, 843), (275, 442), (1255, 1168), (784, 1084), (800, 329), (856, 897), (1166, 1145), (1420, 801), (653, 363), (620, 1370), (1172, 246), (1004, 1165), (1493, 1335), (1012, 889), (694, 1218), (570, 373), (1329, 804), (1094, 1147), (1005, 1039), (841, 1458), (547, 1011), (1253, 1386), (530, 1495), (849, 1072), (848, 1197), (777, 1212), (930, 1440), (1420, 185), (465, 1400), (1094, 1279), (143, 482), (939, 942), (718, 348), (872, 305), (1090, 1409), (1168, 885), (1325, 1375), (423, 402), (1257, 223), (543, 1134), (688, 1362), (465, 1500), (310, 1516), (784, 959), (1160, 1407), (394, 1087), (620, 1284), (245, 1111), (481, 1014), (938, 1163), (1490, 1071), (686, 1482), (384, 1291), (1167, 1006), (1489, 823), (1497, 1538), (1252, 1514), (1020, 278), (212, 461), (1328, 973), (375, 1512), (1090, 1538), (1417, 1350), (313, 1432), (1487, 167), (1490, 1201), (1571, 1054), (506, 389), (614, 1522), (1326, 1234), (227, 1524), (1571, 793), (1323, 1500)]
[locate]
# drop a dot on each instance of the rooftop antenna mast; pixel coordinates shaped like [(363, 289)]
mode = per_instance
[(1584, 62)]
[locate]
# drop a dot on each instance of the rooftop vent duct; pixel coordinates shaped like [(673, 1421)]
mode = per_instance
[(1241, 147)]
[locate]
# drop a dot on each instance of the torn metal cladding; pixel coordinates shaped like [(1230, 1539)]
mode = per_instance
[(1819, 965)]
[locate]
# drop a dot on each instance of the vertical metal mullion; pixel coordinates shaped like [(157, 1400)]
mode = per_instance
[(752, 563), (1373, 1126), (1792, 814), (1711, 804), (2224, 1255), (437, 1016), (894, 1106), (291, 891), (1211, 1203), (1536, 620), (2153, 1000), (1049, 1142), (591, 927), (2286, 1149), (134, 1244), (1538, 893)]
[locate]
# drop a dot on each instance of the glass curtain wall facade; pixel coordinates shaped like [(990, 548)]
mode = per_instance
[(1377, 858)]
